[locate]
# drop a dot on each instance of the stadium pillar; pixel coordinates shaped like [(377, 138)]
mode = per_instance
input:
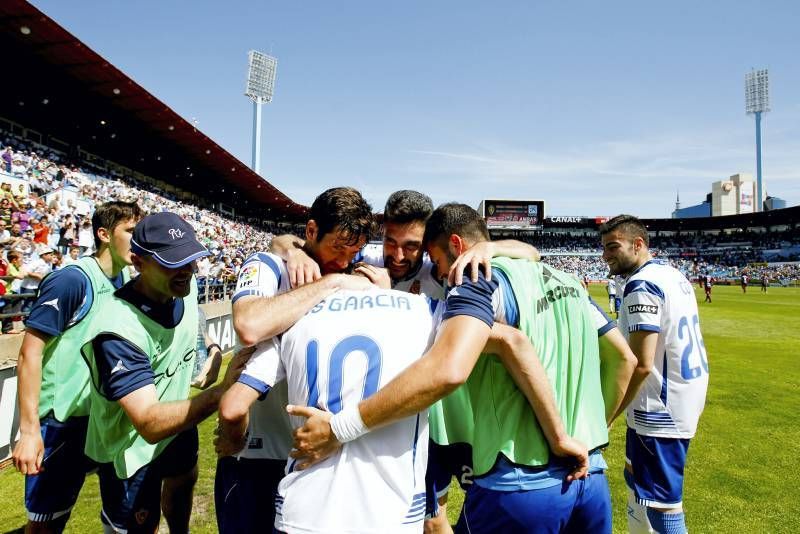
[(257, 138), (759, 197)]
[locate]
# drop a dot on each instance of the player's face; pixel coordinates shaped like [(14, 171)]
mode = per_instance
[(120, 242), (442, 258), (160, 283), (335, 251), (402, 247), (619, 253)]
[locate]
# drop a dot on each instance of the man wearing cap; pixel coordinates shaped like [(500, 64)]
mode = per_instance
[(53, 383), (142, 425)]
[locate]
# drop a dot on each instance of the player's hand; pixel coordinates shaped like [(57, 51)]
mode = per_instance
[(28, 455), (314, 441), (377, 275), (569, 447), (236, 366), (353, 282), (301, 268), (479, 254)]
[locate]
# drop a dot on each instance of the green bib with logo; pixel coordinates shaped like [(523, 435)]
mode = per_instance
[(65, 378), (554, 314), (111, 436)]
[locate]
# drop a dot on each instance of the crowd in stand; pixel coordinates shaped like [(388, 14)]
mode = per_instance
[(45, 223)]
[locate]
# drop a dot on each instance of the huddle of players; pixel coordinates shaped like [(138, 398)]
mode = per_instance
[(520, 389)]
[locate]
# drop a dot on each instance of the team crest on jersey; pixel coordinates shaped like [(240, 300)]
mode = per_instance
[(643, 308), (415, 287)]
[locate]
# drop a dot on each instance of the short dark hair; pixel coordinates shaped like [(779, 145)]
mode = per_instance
[(110, 214), (407, 206), (13, 255), (455, 218), (627, 224), (342, 209)]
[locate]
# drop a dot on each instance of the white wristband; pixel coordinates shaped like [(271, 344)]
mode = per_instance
[(347, 424)]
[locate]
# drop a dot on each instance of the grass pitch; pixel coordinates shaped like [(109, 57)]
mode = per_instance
[(741, 472)]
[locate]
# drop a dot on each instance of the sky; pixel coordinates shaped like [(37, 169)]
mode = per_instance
[(596, 107)]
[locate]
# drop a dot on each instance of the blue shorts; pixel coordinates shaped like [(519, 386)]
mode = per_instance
[(444, 463), (134, 504), (244, 494), (579, 506), (51, 494), (658, 464)]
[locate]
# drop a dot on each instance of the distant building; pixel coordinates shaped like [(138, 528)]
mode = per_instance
[(698, 210), (733, 196), (774, 203)]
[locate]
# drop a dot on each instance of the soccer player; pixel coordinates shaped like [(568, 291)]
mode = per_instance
[(744, 280), (346, 348), (53, 381), (764, 282), (668, 389), (264, 305), (519, 486), (142, 425), (611, 287), (708, 284)]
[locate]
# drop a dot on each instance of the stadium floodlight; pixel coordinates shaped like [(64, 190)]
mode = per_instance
[(260, 86), (756, 95)]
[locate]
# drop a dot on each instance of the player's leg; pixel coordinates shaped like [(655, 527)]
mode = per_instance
[(592, 512), (437, 485), (544, 510), (178, 467), (131, 505), (245, 493), (654, 474), (50, 495), (444, 463)]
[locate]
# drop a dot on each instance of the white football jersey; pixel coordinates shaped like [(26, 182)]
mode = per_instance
[(422, 282), (611, 287), (269, 434), (342, 351), (658, 298)]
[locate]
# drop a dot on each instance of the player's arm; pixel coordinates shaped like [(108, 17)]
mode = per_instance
[(29, 451), (520, 359), (482, 254), (643, 344), (45, 321), (617, 364), (261, 372), (643, 301), (301, 267), (256, 318), (234, 409), (132, 384)]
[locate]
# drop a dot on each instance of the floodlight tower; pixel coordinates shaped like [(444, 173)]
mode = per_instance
[(260, 85), (756, 94)]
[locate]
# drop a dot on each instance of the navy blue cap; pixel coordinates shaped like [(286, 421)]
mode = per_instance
[(166, 237)]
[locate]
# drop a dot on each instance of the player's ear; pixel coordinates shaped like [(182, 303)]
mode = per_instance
[(455, 244), (311, 230), (104, 234)]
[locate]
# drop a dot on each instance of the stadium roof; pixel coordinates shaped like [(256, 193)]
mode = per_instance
[(59, 87)]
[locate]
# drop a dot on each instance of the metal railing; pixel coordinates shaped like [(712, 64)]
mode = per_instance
[(214, 290)]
